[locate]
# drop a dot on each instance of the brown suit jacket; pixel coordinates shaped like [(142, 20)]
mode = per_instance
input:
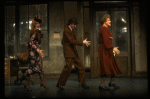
[(69, 41)]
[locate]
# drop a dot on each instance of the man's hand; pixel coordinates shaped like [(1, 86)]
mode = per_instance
[(88, 43)]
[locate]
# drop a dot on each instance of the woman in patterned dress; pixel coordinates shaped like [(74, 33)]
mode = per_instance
[(35, 52)]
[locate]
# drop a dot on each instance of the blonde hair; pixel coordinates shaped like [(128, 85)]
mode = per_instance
[(104, 18)]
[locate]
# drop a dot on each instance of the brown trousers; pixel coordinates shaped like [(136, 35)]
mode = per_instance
[(67, 70)]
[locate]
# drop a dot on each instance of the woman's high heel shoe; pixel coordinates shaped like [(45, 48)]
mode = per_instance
[(26, 85), (42, 84), (103, 88), (114, 85), (60, 87)]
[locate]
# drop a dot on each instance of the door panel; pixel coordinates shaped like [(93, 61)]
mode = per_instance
[(121, 33), (123, 64)]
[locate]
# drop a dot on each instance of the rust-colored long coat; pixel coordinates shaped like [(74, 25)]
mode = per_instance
[(108, 62), (69, 41), (71, 57)]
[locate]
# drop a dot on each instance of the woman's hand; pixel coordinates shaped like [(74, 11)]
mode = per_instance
[(116, 50), (40, 52)]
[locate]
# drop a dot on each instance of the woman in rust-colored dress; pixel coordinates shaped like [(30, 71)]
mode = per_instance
[(108, 63)]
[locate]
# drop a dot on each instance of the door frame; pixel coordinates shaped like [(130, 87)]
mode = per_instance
[(94, 60)]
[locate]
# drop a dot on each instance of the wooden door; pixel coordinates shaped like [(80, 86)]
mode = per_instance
[(121, 33)]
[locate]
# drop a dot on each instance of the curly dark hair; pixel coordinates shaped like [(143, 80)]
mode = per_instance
[(104, 18)]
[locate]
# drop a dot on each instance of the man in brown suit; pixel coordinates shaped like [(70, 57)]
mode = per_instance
[(71, 56)]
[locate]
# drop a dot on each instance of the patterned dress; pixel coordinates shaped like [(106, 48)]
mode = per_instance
[(34, 57)]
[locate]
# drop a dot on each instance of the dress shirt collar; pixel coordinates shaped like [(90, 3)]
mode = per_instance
[(70, 28)]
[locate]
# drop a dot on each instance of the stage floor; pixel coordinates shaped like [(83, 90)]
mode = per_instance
[(129, 88)]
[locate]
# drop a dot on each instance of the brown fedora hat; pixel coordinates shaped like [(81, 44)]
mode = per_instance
[(73, 20)]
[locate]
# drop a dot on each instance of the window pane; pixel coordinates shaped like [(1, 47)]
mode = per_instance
[(10, 44), (44, 25), (10, 50), (42, 9), (23, 24), (10, 11), (10, 38), (22, 41), (23, 11), (10, 25), (99, 15), (121, 33), (30, 23), (44, 43), (22, 48), (26, 25), (33, 10), (23, 37)]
